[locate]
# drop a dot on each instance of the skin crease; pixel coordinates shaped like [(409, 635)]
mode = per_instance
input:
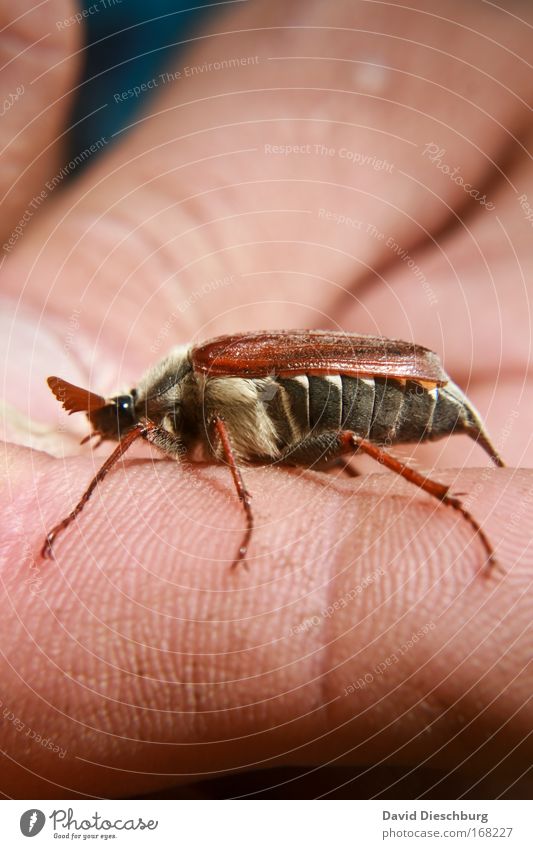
[(138, 650)]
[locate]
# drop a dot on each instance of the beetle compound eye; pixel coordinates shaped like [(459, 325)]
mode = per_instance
[(125, 403), (125, 412)]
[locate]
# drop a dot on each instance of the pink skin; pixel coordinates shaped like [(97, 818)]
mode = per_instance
[(138, 650)]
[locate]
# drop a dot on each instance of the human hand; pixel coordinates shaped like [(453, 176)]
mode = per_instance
[(138, 650)]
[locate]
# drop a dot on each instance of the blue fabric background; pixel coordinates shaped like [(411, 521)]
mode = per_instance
[(127, 43)]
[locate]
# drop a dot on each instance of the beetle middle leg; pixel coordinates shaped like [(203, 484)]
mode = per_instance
[(245, 498), (173, 446)]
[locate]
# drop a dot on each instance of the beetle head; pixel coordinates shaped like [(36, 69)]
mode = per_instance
[(110, 418)]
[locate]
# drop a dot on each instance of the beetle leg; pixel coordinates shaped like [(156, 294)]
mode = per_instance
[(90, 436), (350, 440), (166, 442), (320, 451), (149, 431), (124, 444), (244, 496)]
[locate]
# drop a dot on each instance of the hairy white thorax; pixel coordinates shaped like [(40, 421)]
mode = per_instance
[(170, 388), (240, 402)]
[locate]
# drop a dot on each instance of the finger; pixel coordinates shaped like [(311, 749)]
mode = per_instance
[(38, 68), (363, 632)]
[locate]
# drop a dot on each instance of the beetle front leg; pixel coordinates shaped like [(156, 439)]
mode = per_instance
[(135, 433)]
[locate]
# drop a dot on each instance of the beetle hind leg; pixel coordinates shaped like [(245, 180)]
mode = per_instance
[(438, 490), (329, 447)]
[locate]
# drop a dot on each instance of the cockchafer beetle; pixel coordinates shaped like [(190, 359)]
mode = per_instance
[(299, 397)]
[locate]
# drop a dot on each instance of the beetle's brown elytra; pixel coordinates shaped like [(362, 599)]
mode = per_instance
[(301, 397)]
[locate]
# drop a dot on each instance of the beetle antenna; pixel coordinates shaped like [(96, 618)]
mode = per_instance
[(124, 444), (75, 399)]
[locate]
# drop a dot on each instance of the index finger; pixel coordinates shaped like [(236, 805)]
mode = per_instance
[(363, 632)]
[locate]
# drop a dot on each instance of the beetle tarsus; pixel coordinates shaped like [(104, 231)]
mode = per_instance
[(492, 562), (240, 560), (47, 551)]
